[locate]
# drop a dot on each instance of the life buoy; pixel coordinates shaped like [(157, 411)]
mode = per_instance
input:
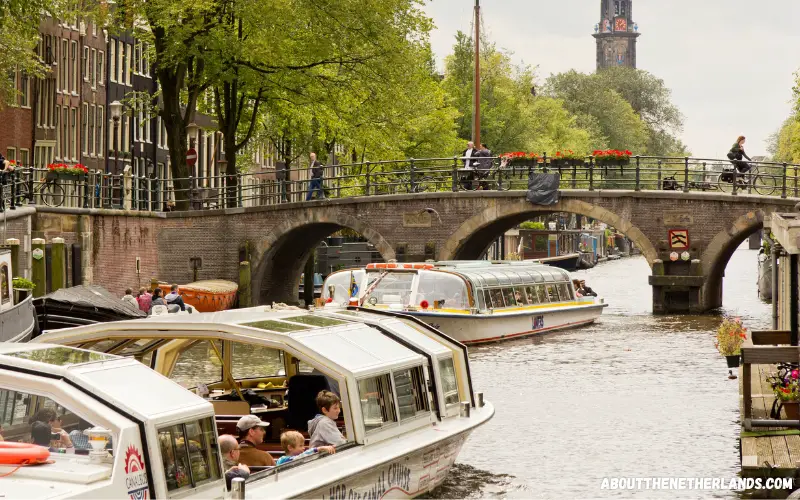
[(22, 453)]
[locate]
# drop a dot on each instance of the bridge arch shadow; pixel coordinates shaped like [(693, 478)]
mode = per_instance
[(475, 235), (719, 252), (281, 256)]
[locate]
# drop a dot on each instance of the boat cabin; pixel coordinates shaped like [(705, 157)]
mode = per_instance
[(17, 314), (394, 375)]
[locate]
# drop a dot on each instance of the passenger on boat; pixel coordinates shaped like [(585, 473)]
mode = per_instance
[(145, 300), (158, 300), (251, 434), (294, 445), (78, 438), (230, 459), (322, 427), (174, 298), (587, 291), (130, 299), (49, 417)]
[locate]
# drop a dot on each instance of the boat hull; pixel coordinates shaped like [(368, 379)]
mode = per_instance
[(474, 329)]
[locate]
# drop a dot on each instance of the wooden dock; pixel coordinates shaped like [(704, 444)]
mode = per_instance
[(765, 451)]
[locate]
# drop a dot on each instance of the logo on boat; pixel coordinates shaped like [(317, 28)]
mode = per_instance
[(538, 322), (135, 474)]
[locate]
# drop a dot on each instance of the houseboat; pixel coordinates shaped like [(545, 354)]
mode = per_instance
[(408, 403), (17, 314), (472, 301)]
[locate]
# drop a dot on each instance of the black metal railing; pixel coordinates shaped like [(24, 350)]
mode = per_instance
[(39, 186)]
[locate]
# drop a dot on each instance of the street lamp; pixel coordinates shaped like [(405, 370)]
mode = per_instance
[(115, 108), (191, 130)]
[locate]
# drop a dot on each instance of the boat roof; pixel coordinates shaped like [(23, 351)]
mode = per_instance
[(348, 342), (107, 376)]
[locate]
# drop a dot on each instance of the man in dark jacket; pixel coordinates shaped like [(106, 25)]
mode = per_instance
[(483, 166), (315, 184)]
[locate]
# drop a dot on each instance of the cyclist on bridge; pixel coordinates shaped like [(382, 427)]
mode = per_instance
[(736, 153)]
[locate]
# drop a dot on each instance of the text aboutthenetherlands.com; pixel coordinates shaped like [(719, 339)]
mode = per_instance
[(696, 483)]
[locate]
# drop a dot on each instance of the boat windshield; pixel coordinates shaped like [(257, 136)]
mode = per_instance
[(61, 356), (393, 288), (441, 290), (341, 283)]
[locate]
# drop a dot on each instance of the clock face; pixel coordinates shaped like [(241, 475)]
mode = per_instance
[(620, 24)]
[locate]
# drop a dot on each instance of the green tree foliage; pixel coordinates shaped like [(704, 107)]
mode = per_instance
[(784, 145), (512, 118)]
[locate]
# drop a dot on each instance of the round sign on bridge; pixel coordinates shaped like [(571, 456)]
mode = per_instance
[(191, 157)]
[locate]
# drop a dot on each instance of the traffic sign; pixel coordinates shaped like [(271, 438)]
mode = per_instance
[(679, 239), (191, 157)]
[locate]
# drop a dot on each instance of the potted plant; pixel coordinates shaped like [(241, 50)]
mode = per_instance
[(787, 391), (62, 170), (22, 288), (520, 159), (730, 337), (611, 157)]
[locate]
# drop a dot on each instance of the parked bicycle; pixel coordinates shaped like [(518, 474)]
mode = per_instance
[(48, 190), (753, 179)]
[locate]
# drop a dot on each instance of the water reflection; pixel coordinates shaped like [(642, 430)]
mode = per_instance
[(634, 395)]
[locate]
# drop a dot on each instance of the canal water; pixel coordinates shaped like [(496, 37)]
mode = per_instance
[(634, 395)]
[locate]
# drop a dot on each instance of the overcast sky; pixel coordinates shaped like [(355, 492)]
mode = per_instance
[(729, 63)]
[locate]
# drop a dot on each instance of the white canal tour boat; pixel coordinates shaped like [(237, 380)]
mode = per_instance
[(471, 301), (408, 403)]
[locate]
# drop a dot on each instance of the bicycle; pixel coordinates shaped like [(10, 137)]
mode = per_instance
[(480, 179), (761, 183), (49, 191)]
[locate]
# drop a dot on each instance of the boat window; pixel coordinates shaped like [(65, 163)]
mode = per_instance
[(487, 298), (537, 276), (256, 361), (341, 285), (394, 288), (276, 326), (412, 397), (533, 298), (564, 292), (315, 320), (102, 346), (377, 405), (540, 291), (508, 295), (189, 453), (552, 293), (61, 356), (442, 290), (479, 299), (198, 363), (520, 295), (447, 372), (497, 298)]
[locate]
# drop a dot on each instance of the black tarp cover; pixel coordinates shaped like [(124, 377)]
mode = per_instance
[(543, 189), (81, 305)]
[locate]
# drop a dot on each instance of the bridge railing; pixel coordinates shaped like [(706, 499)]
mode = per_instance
[(95, 189)]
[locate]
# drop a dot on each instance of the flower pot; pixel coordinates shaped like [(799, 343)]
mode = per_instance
[(733, 361), (792, 410), (21, 294)]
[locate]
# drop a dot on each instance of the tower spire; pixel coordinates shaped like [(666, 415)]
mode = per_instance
[(616, 34)]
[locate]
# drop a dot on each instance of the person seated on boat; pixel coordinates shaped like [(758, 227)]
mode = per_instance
[(80, 440), (174, 298), (145, 300), (158, 299), (130, 299), (322, 428), (49, 417), (576, 284), (294, 445), (587, 291), (251, 434), (229, 448)]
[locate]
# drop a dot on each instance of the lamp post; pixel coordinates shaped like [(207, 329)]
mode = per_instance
[(151, 174), (115, 108)]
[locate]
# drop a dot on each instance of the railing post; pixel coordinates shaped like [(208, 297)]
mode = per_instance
[(544, 162), (86, 190), (795, 181), (455, 174), (574, 174), (3, 183), (122, 188), (686, 174), (658, 178), (366, 184), (783, 182), (239, 188), (13, 176), (735, 181), (411, 176), (638, 175), (591, 173)]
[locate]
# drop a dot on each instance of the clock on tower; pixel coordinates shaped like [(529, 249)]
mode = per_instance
[(620, 24)]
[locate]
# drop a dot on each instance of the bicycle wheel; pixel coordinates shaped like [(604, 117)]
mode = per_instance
[(725, 186), (764, 184), (52, 194)]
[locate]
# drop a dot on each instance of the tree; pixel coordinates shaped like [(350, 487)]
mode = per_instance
[(784, 145)]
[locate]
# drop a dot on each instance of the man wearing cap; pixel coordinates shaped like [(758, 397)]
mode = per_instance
[(251, 434)]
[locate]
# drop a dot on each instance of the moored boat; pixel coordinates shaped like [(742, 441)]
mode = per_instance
[(407, 397), (17, 318), (206, 295), (472, 301)]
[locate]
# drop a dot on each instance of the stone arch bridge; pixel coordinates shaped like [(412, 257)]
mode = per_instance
[(450, 225)]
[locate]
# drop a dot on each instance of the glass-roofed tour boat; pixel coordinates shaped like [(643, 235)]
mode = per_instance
[(471, 301), (407, 402)]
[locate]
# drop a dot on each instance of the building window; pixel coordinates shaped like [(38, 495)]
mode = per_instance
[(73, 125), (85, 64), (24, 157), (121, 63), (51, 99), (11, 154), (92, 150), (101, 59), (100, 137), (126, 136), (25, 90), (74, 66), (137, 58), (58, 134), (64, 81), (93, 66), (147, 126), (44, 151), (112, 60), (137, 120), (65, 132), (85, 123), (146, 60), (128, 64)]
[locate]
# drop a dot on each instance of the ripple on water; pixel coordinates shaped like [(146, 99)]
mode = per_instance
[(634, 395)]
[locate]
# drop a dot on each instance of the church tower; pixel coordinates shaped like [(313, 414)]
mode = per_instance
[(616, 34)]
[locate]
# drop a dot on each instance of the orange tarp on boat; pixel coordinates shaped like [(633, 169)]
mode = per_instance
[(207, 295)]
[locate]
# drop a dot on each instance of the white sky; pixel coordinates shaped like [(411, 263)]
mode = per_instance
[(729, 63)]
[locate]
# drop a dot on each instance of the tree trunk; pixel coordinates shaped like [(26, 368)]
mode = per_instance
[(176, 139), (230, 171)]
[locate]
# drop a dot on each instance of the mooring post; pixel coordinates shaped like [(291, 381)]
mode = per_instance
[(245, 292), (38, 268), (58, 264)]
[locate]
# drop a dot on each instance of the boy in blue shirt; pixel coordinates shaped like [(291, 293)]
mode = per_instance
[(293, 443)]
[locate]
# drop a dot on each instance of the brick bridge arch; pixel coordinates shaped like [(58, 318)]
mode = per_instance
[(279, 258), (475, 235)]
